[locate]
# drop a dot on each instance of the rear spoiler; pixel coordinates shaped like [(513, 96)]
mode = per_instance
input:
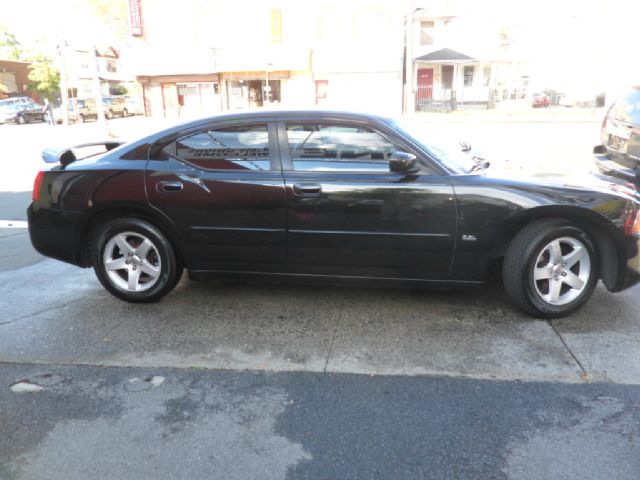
[(65, 156)]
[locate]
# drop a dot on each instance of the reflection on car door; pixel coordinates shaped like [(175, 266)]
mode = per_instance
[(349, 215), (223, 187)]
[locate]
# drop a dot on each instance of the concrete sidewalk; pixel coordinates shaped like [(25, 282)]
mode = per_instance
[(528, 115)]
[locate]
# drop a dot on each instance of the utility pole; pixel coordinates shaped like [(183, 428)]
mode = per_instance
[(409, 102), (101, 120), (64, 92), (267, 88)]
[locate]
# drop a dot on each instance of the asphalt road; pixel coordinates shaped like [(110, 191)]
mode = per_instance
[(137, 424), (284, 381)]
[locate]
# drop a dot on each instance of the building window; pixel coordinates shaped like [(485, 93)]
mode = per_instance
[(468, 75), (276, 25), (86, 88), (426, 33), (111, 66), (487, 75)]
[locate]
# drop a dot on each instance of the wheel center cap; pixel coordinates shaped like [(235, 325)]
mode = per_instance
[(135, 261), (557, 270)]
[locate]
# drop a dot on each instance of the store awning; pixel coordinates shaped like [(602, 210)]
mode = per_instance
[(446, 55)]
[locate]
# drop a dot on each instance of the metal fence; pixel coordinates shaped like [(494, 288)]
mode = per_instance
[(429, 99)]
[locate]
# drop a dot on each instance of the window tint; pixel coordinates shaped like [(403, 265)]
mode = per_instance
[(235, 148), (338, 148)]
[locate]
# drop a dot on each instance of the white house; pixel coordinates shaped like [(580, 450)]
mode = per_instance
[(453, 67)]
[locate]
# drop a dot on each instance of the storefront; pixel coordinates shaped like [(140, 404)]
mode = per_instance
[(250, 89), (181, 96)]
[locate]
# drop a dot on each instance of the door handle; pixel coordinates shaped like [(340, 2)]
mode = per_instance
[(169, 186), (307, 189)]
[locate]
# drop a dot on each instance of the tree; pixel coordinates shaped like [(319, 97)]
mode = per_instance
[(10, 47), (44, 77)]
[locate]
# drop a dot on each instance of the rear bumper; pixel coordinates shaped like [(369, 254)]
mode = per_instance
[(607, 166), (54, 234)]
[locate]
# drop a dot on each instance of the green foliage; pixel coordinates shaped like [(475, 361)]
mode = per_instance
[(118, 90), (10, 47), (114, 14), (45, 79)]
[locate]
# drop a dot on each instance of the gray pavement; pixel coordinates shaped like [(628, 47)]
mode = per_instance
[(383, 383), (473, 333)]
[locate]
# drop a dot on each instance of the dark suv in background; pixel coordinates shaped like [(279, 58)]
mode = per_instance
[(619, 152)]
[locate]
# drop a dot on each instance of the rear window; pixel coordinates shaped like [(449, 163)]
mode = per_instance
[(627, 107)]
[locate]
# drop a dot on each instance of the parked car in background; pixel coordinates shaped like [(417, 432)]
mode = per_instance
[(133, 106), (21, 110), (114, 106), (619, 151), (83, 110), (329, 196), (540, 100), (86, 109)]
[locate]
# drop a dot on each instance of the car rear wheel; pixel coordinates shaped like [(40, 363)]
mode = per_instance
[(550, 268), (134, 261), (125, 112), (21, 120), (108, 114)]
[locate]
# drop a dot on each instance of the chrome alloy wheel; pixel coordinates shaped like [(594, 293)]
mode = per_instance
[(562, 271), (132, 262)]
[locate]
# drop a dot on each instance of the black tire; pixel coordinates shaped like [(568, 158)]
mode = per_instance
[(81, 118), (529, 251), (108, 114), (162, 254), (21, 120), (125, 112)]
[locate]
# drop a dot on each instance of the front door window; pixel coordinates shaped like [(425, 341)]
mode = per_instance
[(338, 148)]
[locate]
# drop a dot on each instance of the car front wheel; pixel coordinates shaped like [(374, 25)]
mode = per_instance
[(550, 268), (134, 261)]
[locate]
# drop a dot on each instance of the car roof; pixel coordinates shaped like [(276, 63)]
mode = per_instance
[(283, 113)]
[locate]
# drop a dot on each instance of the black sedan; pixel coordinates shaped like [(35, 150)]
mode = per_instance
[(21, 110), (328, 196)]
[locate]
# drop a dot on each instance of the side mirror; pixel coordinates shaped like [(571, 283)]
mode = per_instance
[(402, 162)]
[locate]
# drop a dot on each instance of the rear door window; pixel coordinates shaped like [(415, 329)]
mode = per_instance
[(232, 148), (627, 107)]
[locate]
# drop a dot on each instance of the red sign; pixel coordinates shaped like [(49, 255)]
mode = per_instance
[(135, 16)]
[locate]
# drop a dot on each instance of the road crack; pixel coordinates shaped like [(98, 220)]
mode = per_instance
[(584, 375), (35, 314), (335, 332)]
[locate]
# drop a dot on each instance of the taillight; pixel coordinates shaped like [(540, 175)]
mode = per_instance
[(37, 183), (632, 223)]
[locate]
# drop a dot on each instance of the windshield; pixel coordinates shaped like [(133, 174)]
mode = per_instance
[(442, 146)]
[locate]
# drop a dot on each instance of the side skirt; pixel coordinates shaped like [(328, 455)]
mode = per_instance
[(330, 279)]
